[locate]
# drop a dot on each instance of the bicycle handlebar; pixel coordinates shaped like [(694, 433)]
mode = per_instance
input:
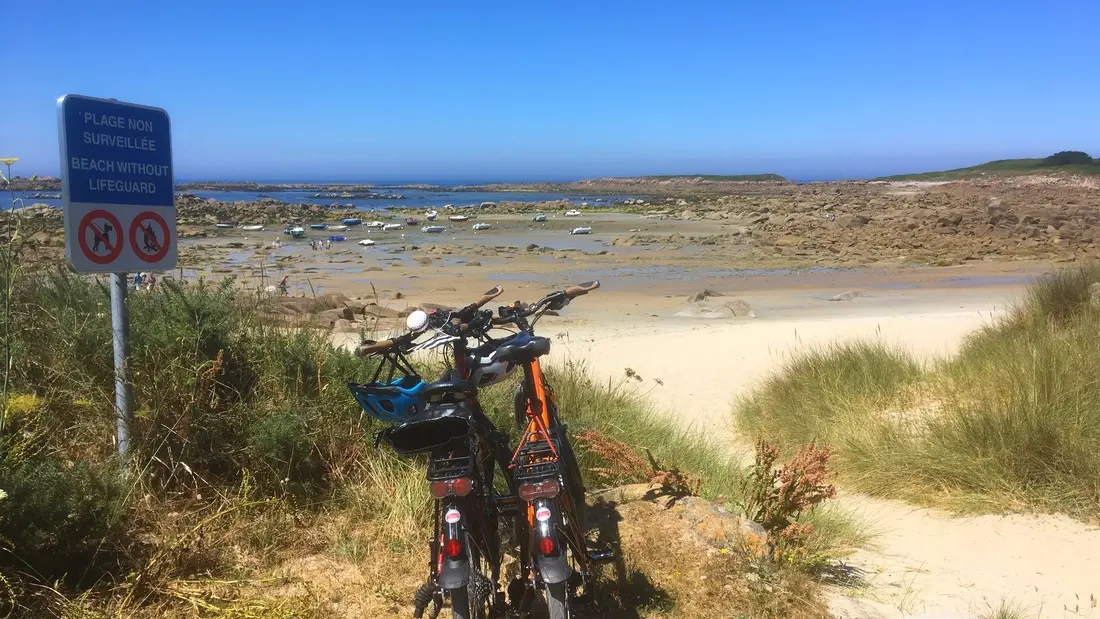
[(491, 294), (573, 292), (465, 316)]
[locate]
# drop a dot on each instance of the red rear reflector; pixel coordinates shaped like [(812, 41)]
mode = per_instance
[(452, 548), (543, 490), (462, 486), (452, 487), (547, 546)]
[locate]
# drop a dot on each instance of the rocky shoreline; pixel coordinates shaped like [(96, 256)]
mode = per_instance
[(1043, 218)]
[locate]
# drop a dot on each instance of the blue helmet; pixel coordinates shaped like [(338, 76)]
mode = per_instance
[(392, 403)]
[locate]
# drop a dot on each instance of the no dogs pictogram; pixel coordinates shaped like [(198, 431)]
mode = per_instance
[(150, 237), (100, 236)]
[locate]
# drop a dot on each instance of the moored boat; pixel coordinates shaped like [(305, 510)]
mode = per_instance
[(458, 217), (336, 238), (353, 221), (366, 242), (539, 218), (581, 230), (318, 226), (252, 228), (433, 229), (295, 231), (393, 226), (338, 227), (572, 213), (431, 215), (482, 226), (223, 224)]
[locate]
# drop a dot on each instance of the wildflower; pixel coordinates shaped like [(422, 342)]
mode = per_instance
[(3, 495), (9, 161)]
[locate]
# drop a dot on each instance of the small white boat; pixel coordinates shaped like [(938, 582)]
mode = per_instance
[(376, 224), (252, 228), (222, 224), (458, 218), (433, 229), (482, 226), (393, 226), (296, 231), (581, 230), (539, 218), (431, 215), (338, 227), (572, 213), (366, 242)]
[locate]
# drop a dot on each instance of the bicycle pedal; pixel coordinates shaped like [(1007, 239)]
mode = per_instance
[(601, 556)]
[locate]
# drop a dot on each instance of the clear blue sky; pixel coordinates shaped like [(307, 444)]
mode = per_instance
[(520, 90)]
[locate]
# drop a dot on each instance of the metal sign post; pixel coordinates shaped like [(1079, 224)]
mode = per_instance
[(119, 207)]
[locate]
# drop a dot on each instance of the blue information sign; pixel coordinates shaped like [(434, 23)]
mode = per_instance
[(117, 185)]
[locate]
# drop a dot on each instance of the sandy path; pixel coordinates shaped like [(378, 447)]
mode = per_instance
[(924, 562)]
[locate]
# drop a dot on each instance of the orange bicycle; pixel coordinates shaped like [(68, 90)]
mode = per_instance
[(554, 555)]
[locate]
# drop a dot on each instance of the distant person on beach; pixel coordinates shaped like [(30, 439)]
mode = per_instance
[(284, 285)]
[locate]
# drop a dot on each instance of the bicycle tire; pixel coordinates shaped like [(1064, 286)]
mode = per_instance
[(557, 601)]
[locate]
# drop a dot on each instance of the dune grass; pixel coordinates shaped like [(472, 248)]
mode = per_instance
[(254, 487), (1012, 422)]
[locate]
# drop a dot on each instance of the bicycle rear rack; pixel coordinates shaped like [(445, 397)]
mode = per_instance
[(537, 459), (450, 467)]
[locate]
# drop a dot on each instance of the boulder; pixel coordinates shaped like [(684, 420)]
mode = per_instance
[(473, 263), (342, 325), (714, 308), (689, 215), (848, 296), (852, 221)]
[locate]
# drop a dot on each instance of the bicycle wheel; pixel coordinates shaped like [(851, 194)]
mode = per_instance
[(557, 601)]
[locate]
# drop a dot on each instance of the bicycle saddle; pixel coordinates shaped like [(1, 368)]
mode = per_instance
[(522, 348)]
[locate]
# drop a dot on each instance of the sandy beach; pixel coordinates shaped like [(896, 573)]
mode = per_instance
[(921, 562)]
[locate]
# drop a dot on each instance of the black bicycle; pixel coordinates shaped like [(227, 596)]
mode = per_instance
[(444, 419)]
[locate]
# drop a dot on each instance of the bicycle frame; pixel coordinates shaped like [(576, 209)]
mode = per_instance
[(544, 516)]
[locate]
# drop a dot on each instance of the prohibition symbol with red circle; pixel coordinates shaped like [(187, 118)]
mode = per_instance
[(150, 237), (101, 230)]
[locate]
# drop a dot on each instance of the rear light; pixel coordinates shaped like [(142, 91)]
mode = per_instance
[(547, 546), (452, 487), (543, 490), (452, 548)]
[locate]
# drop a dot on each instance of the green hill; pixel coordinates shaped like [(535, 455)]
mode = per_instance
[(1073, 162)]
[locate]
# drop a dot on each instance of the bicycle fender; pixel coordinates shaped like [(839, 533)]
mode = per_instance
[(454, 573), (553, 569)]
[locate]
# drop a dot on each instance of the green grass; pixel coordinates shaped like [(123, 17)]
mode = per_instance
[(1000, 167), (248, 452), (1012, 422)]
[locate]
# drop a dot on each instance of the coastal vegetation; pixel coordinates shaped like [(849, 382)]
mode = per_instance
[(1069, 162), (253, 477), (1011, 423)]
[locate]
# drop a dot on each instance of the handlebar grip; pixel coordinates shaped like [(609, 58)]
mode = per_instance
[(369, 348), (489, 296), (576, 291)]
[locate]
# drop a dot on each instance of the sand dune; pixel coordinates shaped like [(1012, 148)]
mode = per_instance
[(923, 562)]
